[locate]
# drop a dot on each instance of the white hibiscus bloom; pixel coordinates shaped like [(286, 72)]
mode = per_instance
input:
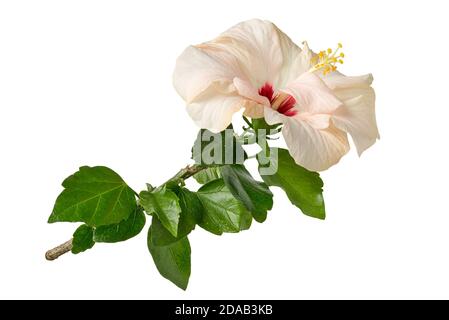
[(255, 66)]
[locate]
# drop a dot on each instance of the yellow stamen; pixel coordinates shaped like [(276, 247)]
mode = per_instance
[(327, 61)]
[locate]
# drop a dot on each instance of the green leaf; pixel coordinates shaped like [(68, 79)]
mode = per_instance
[(190, 206), (304, 188), (222, 212), (190, 215), (207, 175), (160, 236), (82, 239), (165, 204), (255, 195), (217, 148), (172, 261), (122, 231), (94, 195)]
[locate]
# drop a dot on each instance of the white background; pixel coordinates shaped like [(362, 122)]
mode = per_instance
[(89, 83)]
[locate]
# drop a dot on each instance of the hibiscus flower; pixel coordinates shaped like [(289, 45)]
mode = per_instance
[(255, 66)]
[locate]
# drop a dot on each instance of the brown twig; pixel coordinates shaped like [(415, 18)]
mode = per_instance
[(58, 251)]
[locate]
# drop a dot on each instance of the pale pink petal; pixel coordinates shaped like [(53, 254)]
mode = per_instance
[(351, 92), (312, 95), (196, 69), (317, 121), (255, 44), (306, 57), (357, 114), (247, 90), (295, 61), (314, 149), (265, 53), (336, 80), (254, 102), (253, 109), (357, 117), (213, 108)]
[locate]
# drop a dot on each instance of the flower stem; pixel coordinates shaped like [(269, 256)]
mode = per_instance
[(248, 122)]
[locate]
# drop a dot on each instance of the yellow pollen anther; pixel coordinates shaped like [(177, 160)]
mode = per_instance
[(327, 61)]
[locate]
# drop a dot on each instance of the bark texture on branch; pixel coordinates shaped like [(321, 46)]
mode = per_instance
[(58, 251)]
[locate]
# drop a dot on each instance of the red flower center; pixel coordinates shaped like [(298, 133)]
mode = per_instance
[(281, 102)]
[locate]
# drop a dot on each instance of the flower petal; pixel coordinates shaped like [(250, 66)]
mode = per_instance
[(357, 114), (197, 69), (313, 148), (312, 95), (294, 60), (336, 80), (264, 52), (213, 108), (317, 121), (357, 117), (254, 103), (255, 44)]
